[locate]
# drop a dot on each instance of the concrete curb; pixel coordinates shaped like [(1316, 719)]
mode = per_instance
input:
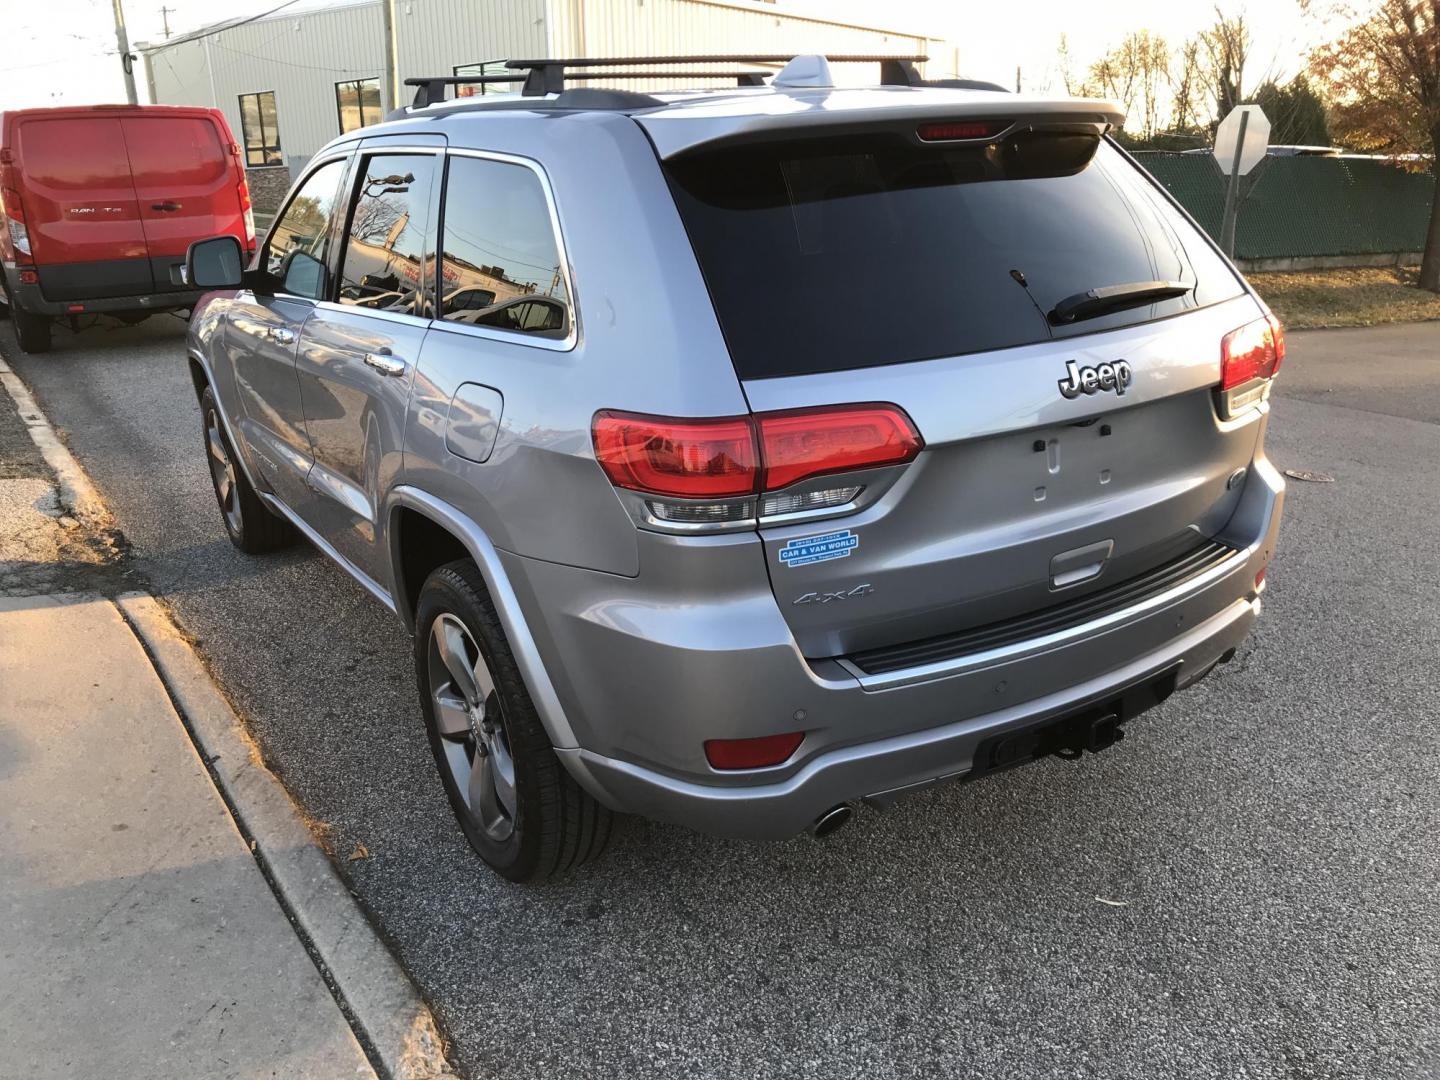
[(389, 1014), (77, 494), (382, 1002)]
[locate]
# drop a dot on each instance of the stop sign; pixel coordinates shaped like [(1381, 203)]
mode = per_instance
[(1248, 129)]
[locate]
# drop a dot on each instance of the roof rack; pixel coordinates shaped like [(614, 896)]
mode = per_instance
[(542, 77)]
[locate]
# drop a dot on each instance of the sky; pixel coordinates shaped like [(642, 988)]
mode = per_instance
[(67, 53)]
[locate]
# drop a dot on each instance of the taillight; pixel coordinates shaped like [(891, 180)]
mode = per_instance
[(752, 753), (1249, 359), (242, 191), (1252, 352), (692, 459), (15, 221), (812, 442), (734, 459)]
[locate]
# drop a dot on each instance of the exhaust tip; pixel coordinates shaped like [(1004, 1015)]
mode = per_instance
[(831, 820)]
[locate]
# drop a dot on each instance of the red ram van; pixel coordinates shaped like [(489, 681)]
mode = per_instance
[(99, 204)]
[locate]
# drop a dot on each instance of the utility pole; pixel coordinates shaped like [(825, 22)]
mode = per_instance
[(390, 84), (126, 60), (165, 18), (1017, 78)]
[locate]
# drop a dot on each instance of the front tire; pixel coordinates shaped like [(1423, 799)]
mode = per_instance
[(251, 525), (522, 812)]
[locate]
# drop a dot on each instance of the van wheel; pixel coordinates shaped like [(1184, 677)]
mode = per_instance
[(252, 526), (32, 332), (522, 812)]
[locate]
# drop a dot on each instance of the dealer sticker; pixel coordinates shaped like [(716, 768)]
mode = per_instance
[(813, 549)]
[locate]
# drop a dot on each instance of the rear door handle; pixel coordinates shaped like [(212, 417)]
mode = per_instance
[(282, 336), (385, 363), (166, 206)]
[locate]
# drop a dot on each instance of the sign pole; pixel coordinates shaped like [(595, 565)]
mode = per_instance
[(1232, 192)]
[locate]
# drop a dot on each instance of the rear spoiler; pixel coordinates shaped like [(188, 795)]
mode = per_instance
[(676, 131)]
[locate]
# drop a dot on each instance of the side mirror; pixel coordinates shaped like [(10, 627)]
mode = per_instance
[(216, 263)]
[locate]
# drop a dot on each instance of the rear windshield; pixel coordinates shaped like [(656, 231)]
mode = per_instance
[(824, 254)]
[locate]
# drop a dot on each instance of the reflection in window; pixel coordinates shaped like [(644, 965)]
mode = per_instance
[(259, 129), (385, 248), (358, 102), (296, 250), (501, 264)]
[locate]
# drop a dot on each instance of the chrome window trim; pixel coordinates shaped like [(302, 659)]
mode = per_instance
[(1046, 642), (572, 335)]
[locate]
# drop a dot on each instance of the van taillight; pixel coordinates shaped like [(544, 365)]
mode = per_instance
[(729, 461), (15, 223), (1249, 359), (247, 211)]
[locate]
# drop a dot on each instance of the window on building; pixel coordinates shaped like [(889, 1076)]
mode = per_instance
[(385, 253), (500, 265), (260, 129), (487, 67), (358, 103)]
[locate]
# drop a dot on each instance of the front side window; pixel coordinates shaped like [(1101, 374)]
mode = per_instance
[(295, 254), (358, 103), (385, 249), (260, 129), (501, 264)]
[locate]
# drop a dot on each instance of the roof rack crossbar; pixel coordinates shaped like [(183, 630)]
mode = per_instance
[(544, 77)]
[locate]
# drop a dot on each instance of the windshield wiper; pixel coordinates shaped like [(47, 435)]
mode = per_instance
[(1108, 298)]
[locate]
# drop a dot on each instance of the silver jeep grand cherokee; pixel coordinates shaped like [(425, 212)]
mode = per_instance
[(739, 455)]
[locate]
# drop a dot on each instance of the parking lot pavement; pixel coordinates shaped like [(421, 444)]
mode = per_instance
[(1248, 886)]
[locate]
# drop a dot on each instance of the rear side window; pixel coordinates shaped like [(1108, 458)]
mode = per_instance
[(500, 266), (824, 254), (295, 254), (385, 247)]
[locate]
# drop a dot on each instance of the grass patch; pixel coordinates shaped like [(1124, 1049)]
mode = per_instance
[(1308, 299)]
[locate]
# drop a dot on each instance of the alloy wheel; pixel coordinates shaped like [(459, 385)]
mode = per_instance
[(468, 719), (222, 472)]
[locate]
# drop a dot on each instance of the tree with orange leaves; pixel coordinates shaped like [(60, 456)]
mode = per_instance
[(1382, 78)]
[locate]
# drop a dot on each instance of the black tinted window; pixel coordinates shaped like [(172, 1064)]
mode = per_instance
[(824, 254), (501, 264), (295, 253), (385, 264)]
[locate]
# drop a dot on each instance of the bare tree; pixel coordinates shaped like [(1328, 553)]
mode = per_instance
[(1133, 73), (1227, 47), (1187, 76)]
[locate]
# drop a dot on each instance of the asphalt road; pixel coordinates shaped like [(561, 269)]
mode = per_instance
[(1270, 839)]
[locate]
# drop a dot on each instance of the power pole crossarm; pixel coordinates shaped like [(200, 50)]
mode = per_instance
[(127, 61)]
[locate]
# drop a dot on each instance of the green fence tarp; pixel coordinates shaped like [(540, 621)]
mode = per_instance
[(1305, 206)]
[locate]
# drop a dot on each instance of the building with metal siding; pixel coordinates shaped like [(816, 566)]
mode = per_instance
[(302, 57)]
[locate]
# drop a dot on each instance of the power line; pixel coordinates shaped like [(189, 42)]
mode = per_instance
[(197, 35)]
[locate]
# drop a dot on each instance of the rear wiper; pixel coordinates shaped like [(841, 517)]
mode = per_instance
[(1107, 298)]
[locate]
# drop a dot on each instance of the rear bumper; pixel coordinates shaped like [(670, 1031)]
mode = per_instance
[(888, 768), (30, 298), (645, 681)]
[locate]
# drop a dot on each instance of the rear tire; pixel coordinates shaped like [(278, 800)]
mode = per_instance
[(32, 332), (251, 525), (519, 807)]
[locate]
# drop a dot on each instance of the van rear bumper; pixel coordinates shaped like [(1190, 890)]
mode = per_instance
[(30, 298)]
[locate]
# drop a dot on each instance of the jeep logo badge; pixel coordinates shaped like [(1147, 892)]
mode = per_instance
[(1091, 380)]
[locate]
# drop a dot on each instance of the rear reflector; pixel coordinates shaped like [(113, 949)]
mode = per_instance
[(1252, 352), (731, 457), (949, 131), (752, 753), (1260, 578), (29, 277)]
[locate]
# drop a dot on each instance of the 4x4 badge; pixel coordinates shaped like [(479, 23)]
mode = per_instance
[(1091, 380)]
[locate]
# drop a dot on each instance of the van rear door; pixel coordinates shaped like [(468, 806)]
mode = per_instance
[(80, 208), (186, 186)]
